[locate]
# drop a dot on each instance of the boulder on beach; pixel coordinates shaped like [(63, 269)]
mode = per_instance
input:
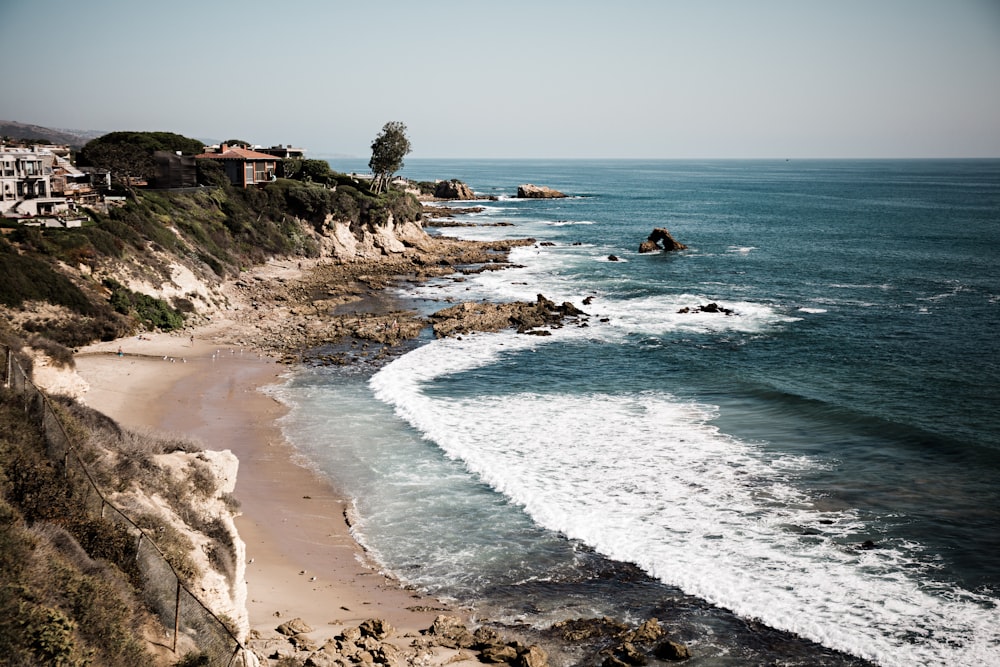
[(529, 191), (660, 239)]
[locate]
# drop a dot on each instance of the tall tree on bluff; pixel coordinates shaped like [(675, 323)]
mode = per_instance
[(388, 150)]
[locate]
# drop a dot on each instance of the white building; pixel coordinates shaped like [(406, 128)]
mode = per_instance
[(26, 184)]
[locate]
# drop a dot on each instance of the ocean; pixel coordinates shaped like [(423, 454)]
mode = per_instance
[(811, 479)]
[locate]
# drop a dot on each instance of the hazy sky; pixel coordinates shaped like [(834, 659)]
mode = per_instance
[(542, 79)]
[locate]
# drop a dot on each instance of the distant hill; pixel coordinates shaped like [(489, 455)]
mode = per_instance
[(75, 138)]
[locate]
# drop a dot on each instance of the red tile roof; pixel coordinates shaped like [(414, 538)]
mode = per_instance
[(236, 153)]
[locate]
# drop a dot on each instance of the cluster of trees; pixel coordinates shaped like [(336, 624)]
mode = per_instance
[(129, 155)]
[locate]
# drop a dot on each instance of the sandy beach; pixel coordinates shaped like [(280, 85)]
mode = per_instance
[(204, 384), (302, 561)]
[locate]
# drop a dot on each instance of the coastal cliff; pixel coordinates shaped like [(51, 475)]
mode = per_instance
[(187, 257)]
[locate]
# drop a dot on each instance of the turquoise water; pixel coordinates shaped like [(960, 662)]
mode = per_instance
[(696, 466)]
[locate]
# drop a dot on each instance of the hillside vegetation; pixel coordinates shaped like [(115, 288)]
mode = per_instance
[(70, 589), (107, 279)]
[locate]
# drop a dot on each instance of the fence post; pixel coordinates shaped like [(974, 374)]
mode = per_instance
[(177, 615)]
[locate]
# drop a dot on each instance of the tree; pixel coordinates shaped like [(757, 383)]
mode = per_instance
[(129, 155), (388, 150)]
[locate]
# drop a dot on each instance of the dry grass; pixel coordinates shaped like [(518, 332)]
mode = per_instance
[(70, 579)]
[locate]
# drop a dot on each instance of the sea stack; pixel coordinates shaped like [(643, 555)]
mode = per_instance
[(529, 191), (658, 236)]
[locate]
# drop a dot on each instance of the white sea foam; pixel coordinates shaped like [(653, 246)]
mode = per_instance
[(545, 270), (570, 223), (646, 478)]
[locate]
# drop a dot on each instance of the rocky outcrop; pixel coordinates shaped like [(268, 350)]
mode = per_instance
[(453, 189), (525, 317), (310, 315), (529, 191), (660, 240), (617, 644), (353, 242), (375, 642), (206, 520)]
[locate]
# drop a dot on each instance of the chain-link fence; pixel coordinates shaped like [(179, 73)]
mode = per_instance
[(188, 624)]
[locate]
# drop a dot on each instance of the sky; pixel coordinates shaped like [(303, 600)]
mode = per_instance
[(512, 79)]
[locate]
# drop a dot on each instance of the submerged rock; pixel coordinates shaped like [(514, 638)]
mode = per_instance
[(671, 650)]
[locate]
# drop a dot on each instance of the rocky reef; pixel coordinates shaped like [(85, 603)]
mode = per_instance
[(450, 641), (526, 317)]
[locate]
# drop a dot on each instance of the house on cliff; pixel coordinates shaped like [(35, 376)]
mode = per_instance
[(284, 152), (26, 183), (243, 166)]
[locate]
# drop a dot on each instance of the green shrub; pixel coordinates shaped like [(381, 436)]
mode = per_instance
[(107, 325), (426, 187), (182, 305), (32, 278), (304, 200), (212, 173), (152, 312), (50, 635)]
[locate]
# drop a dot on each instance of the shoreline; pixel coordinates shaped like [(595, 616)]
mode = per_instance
[(302, 560)]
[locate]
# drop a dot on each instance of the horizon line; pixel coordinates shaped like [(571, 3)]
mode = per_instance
[(329, 156)]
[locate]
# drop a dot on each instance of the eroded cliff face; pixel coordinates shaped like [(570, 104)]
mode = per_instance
[(336, 239), (207, 520), (344, 241)]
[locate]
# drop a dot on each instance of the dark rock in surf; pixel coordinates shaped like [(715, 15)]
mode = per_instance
[(671, 650), (660, 239), (648, 632), (707, 308)]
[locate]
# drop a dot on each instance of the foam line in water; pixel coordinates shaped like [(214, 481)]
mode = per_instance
[(648, 479)]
